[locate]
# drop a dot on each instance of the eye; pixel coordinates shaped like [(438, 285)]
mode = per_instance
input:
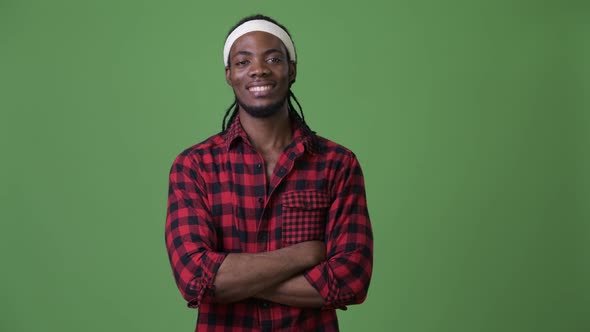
[(242, 62), (274, 60)]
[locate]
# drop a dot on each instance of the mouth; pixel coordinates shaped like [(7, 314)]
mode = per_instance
[(260, 90)]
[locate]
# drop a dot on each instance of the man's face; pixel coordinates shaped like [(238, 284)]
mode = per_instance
[(260, 73)]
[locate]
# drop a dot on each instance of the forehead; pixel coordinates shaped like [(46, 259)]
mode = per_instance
[(257, 42)]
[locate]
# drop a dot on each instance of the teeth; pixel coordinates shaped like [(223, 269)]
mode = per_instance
[(260, 88)]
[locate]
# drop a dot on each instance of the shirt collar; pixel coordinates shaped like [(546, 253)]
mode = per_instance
[(234, 132), (302, 135)]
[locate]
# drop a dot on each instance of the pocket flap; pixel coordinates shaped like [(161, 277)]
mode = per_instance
[(306, 199)]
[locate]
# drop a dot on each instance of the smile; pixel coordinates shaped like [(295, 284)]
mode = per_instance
[(260, 88)]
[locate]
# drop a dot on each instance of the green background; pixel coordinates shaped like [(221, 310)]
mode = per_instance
[(470, 119)]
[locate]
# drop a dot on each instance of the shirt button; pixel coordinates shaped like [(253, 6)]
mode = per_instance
[(265, 305), (261, 200), (259, 166), (262, 236)]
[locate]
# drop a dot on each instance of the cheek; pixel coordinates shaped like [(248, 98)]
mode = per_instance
[(239, 78), (234, 82)]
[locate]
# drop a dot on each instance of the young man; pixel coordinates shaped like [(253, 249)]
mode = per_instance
[(267, 226)]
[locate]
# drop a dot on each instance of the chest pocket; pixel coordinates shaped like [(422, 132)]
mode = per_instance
[(304, 216)]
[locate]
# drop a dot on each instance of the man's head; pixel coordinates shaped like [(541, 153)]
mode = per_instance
[(259, 23), (260, 66)]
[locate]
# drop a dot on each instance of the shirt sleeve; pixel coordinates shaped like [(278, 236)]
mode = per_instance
[(344, 277), (190, 235)]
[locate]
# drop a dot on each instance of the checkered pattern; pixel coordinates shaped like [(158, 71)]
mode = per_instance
[(220, 202)]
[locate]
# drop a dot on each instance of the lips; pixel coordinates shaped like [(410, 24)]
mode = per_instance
[(260, 89)]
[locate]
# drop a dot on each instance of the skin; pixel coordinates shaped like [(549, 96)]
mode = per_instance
[(260, 59)]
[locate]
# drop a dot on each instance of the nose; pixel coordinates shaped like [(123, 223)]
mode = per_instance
[(259, 68)]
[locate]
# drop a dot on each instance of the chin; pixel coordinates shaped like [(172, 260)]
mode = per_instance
[(262, 111)]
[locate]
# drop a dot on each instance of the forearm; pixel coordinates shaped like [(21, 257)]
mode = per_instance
[(295, 292), (243, 275)]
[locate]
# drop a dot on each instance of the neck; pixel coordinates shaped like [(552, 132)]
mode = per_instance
[(270, 133)]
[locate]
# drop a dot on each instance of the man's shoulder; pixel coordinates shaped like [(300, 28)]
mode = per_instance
[(331, 148), (205, 149)]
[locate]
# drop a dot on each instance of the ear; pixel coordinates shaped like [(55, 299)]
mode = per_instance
[(228, 76), (292, 72)]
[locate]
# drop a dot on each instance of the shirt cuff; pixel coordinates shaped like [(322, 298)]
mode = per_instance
[(322, 279), (203, 286)]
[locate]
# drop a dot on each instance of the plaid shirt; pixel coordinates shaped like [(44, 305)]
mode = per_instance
[(220, 202)]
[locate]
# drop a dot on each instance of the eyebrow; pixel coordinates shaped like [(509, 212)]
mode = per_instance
[(267, 52)]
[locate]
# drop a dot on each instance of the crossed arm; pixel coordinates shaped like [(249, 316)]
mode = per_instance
[(274, 275), (307, 274)]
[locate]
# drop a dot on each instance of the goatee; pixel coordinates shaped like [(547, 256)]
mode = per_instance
[(262, 111)]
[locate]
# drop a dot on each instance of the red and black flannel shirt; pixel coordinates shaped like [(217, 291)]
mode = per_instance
[(220, 202)]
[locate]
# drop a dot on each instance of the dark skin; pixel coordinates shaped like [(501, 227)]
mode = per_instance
[(260, 75), (258, 61)]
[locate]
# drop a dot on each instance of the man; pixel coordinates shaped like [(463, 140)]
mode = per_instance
[(267, 226)]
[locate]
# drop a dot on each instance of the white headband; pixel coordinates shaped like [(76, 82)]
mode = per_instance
[(258, 25)]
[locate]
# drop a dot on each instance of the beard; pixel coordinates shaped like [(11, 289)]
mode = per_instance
[(262, 111)]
